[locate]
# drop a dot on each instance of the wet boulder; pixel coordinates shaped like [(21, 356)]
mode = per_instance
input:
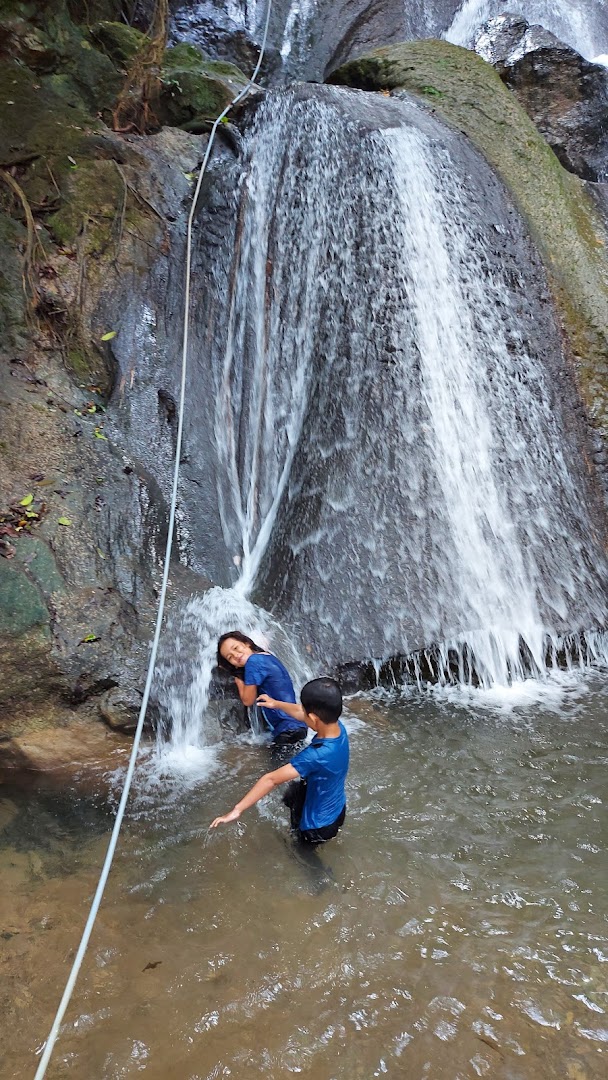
[(565, 95), (195, 90)]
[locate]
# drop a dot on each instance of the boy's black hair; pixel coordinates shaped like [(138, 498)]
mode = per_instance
[(322, 697), (238, 636)]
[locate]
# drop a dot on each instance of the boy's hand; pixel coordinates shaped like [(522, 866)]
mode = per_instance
[(232, 816), (267, 702)]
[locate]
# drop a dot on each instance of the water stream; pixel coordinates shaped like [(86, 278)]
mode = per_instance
[(579, 23)]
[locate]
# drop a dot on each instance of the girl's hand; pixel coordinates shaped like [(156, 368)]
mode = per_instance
[(232, 816), (266, 702)]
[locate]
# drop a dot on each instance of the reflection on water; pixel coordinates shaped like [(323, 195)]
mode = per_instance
[(456, 929)]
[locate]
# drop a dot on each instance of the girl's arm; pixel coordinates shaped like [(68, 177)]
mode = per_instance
[(247, 694)]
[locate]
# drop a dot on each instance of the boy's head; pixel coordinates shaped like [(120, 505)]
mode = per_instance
[(322, 698)]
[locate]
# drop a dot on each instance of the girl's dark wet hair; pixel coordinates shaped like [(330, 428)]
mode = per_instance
[(238, 636)]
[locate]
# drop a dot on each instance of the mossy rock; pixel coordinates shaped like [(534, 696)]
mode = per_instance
[(92, 196), (34, 119), (12, 297), (21, 603), (42, 569), (94, 75), (195, 89), (119, 42), (466, 92)]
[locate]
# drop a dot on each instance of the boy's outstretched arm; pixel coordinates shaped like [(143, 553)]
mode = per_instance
[(285, 706), (263, 787)]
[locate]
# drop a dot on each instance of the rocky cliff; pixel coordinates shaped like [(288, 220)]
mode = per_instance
[(102, 127)]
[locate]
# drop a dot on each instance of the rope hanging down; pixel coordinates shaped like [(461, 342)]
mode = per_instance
[(84, 941)]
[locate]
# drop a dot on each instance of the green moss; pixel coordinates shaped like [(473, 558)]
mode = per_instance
[(560, 214), (78, 364), (12, 296), (195, 89), (21, 605), (93, 74), (183, 56), (34, 119), (92, 196), (117, 41), (32, 552)]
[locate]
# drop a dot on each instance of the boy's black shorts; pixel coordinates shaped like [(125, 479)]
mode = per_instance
[(294, 798), (327, 832)]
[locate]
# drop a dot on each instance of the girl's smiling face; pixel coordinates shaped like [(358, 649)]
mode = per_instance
[(235, 652)]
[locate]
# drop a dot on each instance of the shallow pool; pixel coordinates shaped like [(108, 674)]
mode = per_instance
[(456, 929)]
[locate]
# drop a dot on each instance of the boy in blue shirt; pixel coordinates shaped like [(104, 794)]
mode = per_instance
[(318, 805)]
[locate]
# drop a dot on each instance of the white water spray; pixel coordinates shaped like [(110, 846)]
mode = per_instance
[(572, 21)]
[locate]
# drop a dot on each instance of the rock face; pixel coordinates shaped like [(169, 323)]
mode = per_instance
[(308, 38), (564, 94), (92, 230)]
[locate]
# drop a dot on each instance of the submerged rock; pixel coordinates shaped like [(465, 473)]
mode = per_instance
[(565, 95)]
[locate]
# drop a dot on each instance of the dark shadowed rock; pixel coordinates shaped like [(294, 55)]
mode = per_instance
[(120, 707), (565, 95)]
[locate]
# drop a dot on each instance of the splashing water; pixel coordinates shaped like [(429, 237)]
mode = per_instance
[(572, 21), (297, 28), (190, 728)]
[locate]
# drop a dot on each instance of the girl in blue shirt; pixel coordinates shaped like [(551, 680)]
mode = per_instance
[(258, 672)]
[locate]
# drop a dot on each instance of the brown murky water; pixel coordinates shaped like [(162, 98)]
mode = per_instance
[(457, 929)]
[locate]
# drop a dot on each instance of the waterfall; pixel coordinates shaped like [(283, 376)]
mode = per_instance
[(424, 485), (298, 27), (189, 721), (396, 463), (572, 21)]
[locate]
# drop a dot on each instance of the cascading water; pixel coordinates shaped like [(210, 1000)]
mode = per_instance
[(189, 724), (392, 467), (297, 28), (572, 21)]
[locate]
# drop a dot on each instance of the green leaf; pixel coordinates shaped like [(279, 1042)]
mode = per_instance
[(100, 553), (189, 175), (87, 638), (99, 434), (31, 514), (109, 335), (27, 500), (64, 521)]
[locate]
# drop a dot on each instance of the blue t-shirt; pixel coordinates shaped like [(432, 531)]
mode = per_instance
[(324, 765), (271, 677)]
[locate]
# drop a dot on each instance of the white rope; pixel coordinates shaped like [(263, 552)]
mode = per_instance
[(84, 941)]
